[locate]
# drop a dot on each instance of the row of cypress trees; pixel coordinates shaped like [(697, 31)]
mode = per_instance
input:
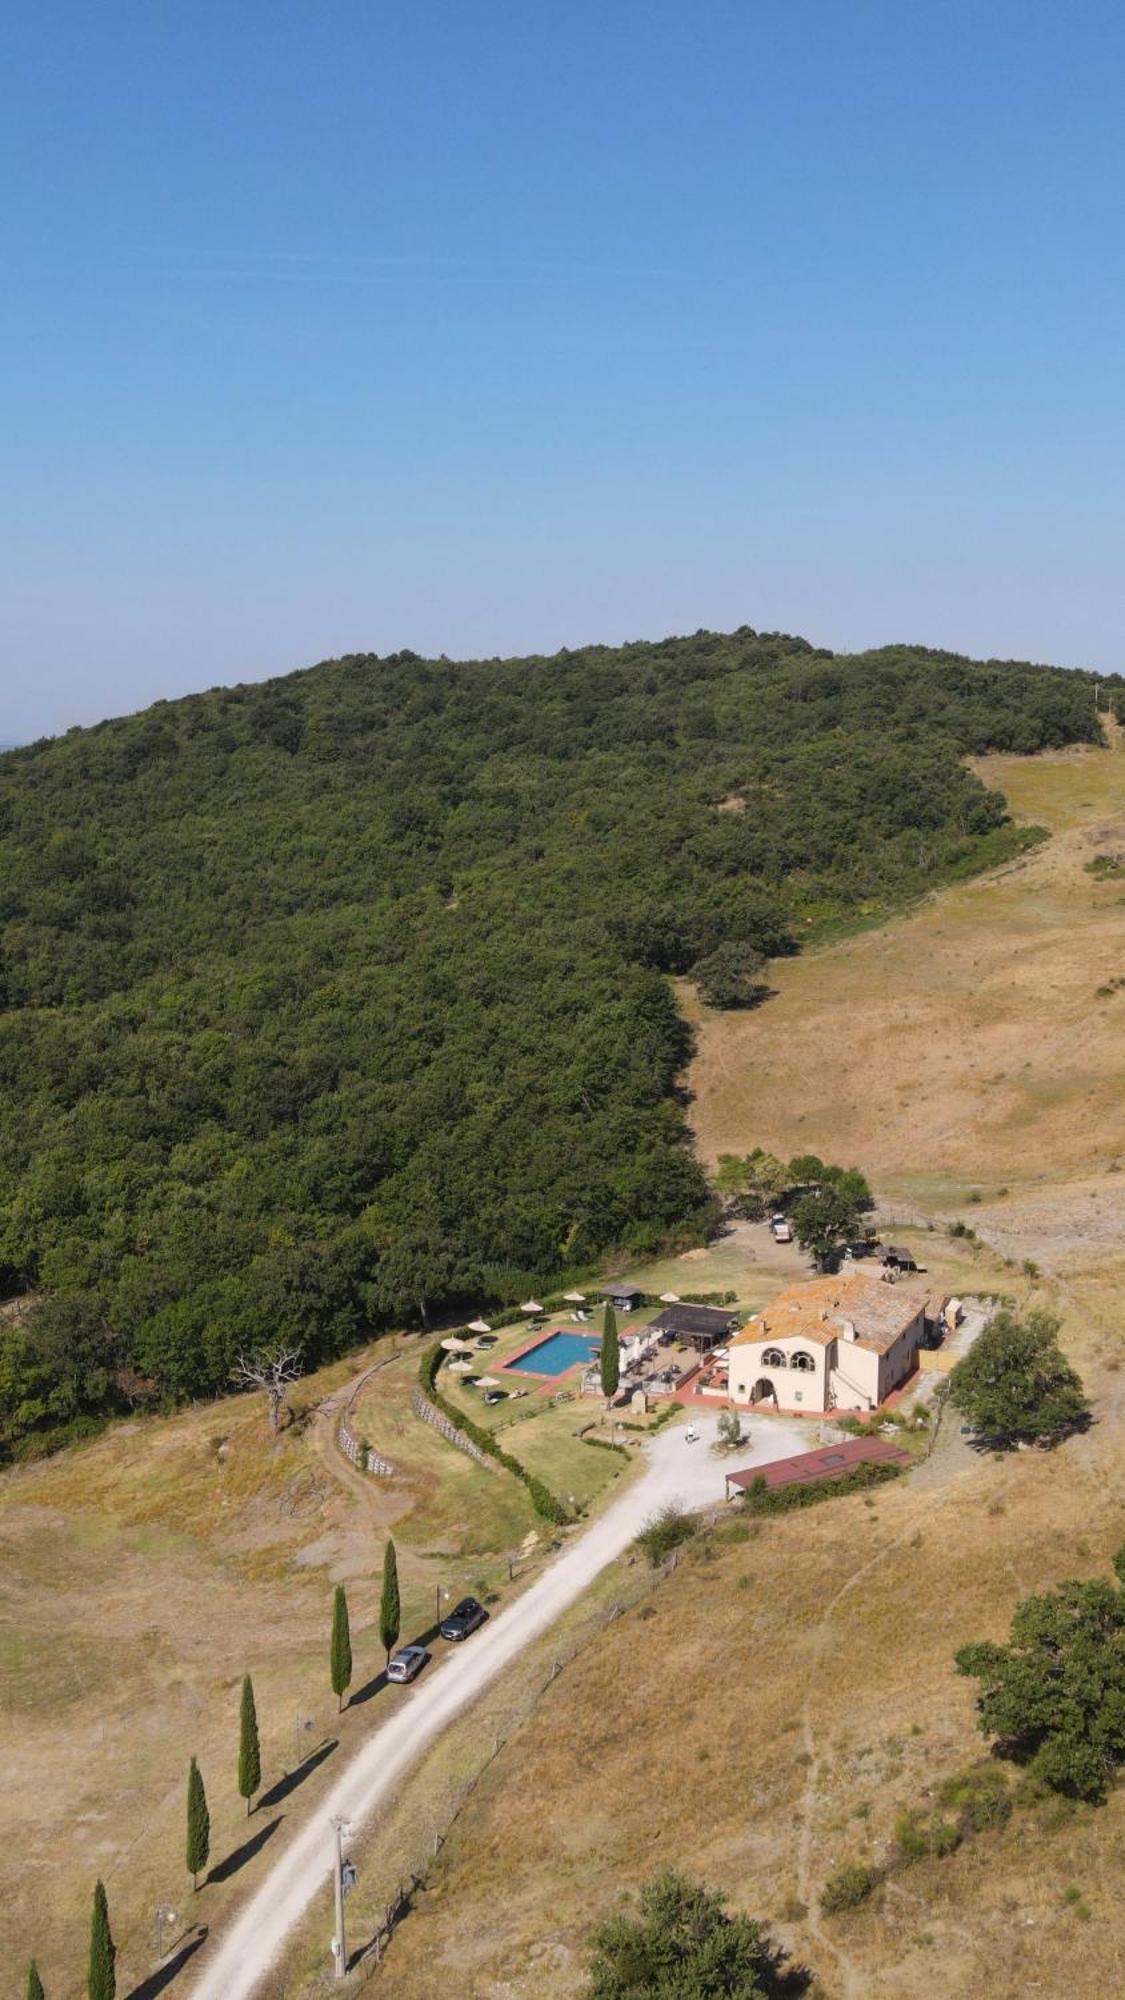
[(101, 1978)]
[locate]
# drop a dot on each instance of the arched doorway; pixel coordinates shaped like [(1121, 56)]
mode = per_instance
[(764, 1392)]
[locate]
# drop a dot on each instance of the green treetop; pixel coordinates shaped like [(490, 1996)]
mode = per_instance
[(681, 1946), (340, 1647), (101, 1977), (1054, 1696), (249, 1749), (198, 1844), (611, 1355), (389, 1607), (1016, 1384)]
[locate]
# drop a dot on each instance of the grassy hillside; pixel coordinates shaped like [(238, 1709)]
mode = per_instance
[(974, 1046), (781, 1699), (339, 999)]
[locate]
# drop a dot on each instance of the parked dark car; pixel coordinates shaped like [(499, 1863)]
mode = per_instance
[(463, 1619), (406, 1663)]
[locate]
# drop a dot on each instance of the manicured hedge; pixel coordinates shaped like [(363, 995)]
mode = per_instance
[(542, 1499), (763, 1499)]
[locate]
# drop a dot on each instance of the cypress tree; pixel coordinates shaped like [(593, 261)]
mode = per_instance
[(101, 1979), (249, 1749), (611, 1356), (34, 1983), (198, 1824), (340, 1654), (390, 1609)]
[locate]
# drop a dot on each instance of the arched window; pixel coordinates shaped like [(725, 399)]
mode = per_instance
[(773, 1358), (802, 1360)]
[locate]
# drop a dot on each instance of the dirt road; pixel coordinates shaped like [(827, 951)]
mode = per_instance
[(678, 1470)]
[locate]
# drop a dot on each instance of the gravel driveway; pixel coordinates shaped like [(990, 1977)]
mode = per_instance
[(677, 1470)]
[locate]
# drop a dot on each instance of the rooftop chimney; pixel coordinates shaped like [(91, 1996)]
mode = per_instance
[(849, 1329)]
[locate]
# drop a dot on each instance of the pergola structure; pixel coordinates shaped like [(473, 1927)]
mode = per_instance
[(701, 1327)]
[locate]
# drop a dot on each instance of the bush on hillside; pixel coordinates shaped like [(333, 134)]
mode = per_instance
[(849, 1887), (683, 1945), (1053, 1697), (664, 1531)]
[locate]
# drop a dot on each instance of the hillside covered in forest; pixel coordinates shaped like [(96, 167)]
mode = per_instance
[(341, 999)]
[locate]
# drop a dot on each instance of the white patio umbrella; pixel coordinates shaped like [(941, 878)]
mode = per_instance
[(531, 1306), (487, 1382), (575, 1298), (669, 1298), (460, 1367), (454, 1345), (479, 1326)]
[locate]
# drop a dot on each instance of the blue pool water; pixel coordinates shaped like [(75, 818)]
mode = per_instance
[(558, 1352)]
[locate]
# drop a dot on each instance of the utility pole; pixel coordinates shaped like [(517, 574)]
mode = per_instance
[(339, 1942)]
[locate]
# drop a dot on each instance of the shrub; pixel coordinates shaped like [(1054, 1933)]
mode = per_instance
[(665, 1531), (849, 1887), (682, 1942), (606, 1444)]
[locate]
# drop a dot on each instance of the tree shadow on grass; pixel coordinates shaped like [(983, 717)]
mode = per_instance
[(223, 1870), (369, 1689), (162, 1978), (292, 1779)]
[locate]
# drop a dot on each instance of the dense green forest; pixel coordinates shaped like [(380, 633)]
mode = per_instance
[(342, 999)]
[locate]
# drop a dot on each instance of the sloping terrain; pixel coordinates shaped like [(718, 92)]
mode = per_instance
[(970, 1046), (782, 1698), (332, 1001)]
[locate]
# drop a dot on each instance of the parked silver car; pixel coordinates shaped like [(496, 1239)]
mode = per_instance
[(406, 1663)]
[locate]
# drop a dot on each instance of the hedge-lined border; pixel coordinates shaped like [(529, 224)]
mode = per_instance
[(542, 1499)]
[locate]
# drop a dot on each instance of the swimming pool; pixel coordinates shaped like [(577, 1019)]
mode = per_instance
[(557, 1353)]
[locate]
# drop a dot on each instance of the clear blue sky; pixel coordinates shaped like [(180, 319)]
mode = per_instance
[(484, 327)]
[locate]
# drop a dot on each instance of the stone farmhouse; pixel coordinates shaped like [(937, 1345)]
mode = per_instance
[(839, 1343)]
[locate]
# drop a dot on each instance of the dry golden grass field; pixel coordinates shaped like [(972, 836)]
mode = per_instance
[(141, 1575), (764, 1714)]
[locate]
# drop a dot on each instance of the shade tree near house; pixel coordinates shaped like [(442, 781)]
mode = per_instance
[(1015, 1385), (1053, 1696), (752, 1184)]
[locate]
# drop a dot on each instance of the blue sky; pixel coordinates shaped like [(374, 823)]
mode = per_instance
[(488, 328)]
